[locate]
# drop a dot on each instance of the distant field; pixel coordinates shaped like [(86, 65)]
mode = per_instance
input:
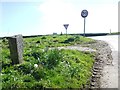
[(115, 33), (56, 68)]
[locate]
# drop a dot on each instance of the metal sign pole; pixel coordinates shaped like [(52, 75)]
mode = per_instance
[(66, 32), (84, 14), (84, 27), (66, 26)]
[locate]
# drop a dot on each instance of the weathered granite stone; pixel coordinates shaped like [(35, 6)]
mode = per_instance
[(16, 49)]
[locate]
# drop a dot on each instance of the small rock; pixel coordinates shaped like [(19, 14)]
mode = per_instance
[(97, 63), (96, 70), (93, 80), (93, 83), (95, 76), (96, 67), (95, 73)]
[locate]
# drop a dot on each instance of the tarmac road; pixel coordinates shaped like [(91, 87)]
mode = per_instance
[(110, 72)]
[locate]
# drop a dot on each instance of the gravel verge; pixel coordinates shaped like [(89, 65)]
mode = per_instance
[(103, 57)]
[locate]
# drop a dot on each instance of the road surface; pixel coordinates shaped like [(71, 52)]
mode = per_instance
[(110, 72)]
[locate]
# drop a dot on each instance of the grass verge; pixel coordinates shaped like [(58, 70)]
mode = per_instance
[(45, 68)]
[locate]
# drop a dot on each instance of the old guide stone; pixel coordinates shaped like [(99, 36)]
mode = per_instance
[(16, 49)]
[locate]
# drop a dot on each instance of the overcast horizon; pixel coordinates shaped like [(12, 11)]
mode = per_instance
[(48, 16)]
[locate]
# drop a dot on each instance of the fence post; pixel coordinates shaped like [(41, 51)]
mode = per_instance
[(16, 49)]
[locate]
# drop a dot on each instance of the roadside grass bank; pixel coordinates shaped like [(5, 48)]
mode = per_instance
[(44, 68)]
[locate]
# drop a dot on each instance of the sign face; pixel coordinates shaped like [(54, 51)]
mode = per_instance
[(84, 13), (66, 26)]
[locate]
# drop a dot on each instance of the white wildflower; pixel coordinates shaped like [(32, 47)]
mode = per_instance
[(38, 59), (35, 65), (43, 50)]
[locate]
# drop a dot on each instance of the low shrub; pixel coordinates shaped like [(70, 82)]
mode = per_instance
[(69, 40), (25, 68), (53, 58), (43, 37)]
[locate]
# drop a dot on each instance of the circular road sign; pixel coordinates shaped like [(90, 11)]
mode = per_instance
[(84, 13)]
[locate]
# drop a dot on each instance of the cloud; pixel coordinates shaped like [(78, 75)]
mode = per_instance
[(101, 18), (56, 13)]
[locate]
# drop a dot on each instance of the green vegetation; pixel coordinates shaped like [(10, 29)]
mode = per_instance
[(115, 33), (44, 68), (56, 41)]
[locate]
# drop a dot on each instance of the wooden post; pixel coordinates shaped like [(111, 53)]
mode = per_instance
[(16, 49)]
